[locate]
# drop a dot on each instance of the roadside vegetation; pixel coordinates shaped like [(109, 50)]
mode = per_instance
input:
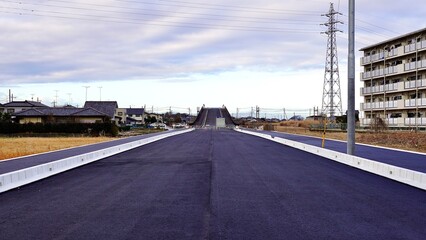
[(18, 145), (406, 140), (11, 147)]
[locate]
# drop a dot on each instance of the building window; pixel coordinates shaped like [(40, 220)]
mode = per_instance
[(120, 114), (413, 114), (10, 110), (397, 98), (413, 95), (396, 115)]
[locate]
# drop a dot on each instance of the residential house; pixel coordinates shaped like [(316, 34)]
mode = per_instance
[(107, 107), (17, 106), (60, 115), (135, 116), (120, 116)]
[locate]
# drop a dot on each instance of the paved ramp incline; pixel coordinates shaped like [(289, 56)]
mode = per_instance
[(207, 117), (201, 117)]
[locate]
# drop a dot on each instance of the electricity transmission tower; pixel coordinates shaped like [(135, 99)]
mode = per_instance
[(331, 97)]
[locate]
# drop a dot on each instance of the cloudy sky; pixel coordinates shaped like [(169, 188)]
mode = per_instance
[(183, 54)]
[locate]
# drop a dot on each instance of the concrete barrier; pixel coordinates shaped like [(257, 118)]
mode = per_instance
[(28, 175), (407, 176)]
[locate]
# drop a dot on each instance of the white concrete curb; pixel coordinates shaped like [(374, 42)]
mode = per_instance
[(28, 175), (410, 177)]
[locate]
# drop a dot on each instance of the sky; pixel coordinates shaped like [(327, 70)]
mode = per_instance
[(183, 54)]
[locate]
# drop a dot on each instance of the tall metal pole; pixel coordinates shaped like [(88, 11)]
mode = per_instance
[(100, 93), (351, 81), (86, 91)]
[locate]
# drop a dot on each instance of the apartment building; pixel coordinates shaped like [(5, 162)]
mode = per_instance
[(394, 81)]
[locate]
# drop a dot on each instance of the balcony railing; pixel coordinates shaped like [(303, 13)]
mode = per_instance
[(380, 72), (415, 83), (389, 121), (412, 102), (412, 47), (380, 88), (400, 122), (379, 56), (414, 65), (415, 121), (379, 105)]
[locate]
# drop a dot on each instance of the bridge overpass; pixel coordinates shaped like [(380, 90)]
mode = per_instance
[(212, 184), (208, 117)]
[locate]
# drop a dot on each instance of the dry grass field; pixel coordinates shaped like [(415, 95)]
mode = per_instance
[(16, 147), (406, 140)]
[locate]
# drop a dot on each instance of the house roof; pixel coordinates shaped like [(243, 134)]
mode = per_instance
[(135, 111), (107, 107), (59, 112), (25, 103)]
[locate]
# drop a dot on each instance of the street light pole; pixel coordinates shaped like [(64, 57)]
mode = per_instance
[(86, 91), (351, 81)]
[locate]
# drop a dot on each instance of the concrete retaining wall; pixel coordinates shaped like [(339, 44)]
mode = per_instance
[(410, 177), (28, 175)]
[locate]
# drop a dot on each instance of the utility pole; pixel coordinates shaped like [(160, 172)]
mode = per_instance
[(331, 99), (351, 81), (69, 98), (257, 112), (56, 98), (100, 93), (86, 91), (237, 113)]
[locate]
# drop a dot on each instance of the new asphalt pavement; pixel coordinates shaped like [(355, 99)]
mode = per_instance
[(214, 184), (409, 160)]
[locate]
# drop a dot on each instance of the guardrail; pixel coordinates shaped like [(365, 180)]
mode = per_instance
[(407, 176), (21, 177)]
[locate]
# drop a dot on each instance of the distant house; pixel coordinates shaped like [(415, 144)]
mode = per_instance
[(120, 116), (130, 116), (60, 115), (135, 116), (315, 117), (159, 117), (17, 106), (106, 107)]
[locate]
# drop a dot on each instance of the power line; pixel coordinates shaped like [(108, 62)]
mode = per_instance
[(158, 23), (224, 7), (271, 21)]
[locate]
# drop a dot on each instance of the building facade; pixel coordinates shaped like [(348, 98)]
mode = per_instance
[(394, 81)]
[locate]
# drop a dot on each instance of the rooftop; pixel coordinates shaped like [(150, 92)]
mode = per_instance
[(394, 39)]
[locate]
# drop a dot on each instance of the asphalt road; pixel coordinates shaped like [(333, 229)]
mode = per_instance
[(404, 159), (210, 184), (33, 160)]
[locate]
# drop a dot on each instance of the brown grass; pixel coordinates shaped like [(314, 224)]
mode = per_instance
[(17, 147), (411, 141)]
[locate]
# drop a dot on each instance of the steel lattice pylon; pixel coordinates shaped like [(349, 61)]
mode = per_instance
[(331, 98)]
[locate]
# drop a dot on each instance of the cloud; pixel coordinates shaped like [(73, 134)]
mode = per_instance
[(172, 42)]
